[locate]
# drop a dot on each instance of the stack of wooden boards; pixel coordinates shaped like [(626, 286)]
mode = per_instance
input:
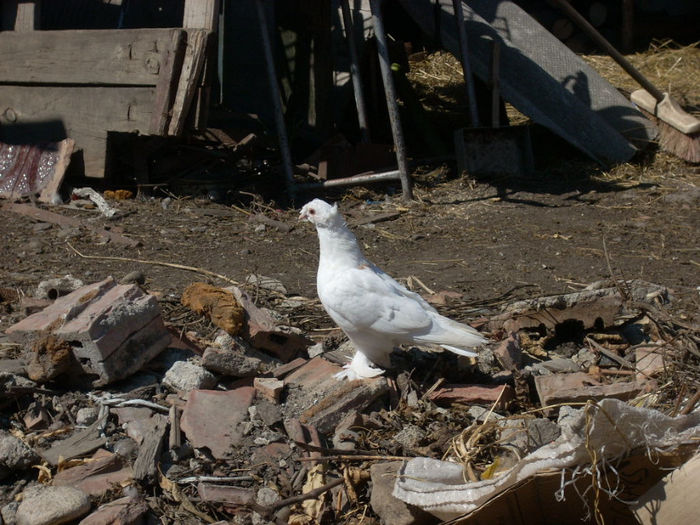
[(83, 84)]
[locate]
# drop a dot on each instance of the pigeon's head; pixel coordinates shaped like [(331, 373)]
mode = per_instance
[(321, 214)]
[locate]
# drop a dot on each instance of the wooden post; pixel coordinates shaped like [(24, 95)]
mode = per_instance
[(20, 15)]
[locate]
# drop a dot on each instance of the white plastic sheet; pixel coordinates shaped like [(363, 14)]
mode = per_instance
[(613, 428)]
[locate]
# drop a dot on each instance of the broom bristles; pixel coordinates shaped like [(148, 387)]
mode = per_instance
[(686, 147)]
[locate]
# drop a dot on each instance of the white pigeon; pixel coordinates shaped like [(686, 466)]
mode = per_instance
[(374, 311)]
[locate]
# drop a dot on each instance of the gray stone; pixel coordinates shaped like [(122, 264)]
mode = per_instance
[(185, 376), (135, 277), (15, 454), (410, 436), (480, 414), (52, 506), (391, 510), (230, 362), (315, 350), (87, 416), (9, 513)]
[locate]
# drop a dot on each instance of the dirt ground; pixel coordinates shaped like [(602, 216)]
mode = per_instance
[(490, 241)]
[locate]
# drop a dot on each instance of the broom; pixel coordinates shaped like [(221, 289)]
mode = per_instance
[(679, 132)]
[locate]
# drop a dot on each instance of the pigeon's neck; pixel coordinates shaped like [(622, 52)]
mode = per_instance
[(338, 247)]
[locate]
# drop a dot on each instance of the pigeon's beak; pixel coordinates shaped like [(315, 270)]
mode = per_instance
[(303, 216)]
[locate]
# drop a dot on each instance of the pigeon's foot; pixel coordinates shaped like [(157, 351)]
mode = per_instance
[(359, 368)]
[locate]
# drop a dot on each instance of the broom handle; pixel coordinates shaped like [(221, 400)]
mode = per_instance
[(599, 39)]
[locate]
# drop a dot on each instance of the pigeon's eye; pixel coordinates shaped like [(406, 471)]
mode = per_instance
[(312, 212)]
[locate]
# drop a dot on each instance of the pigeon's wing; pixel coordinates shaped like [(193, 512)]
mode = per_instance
[(365, 298)]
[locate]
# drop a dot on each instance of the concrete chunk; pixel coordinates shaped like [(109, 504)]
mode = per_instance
[(113, 329)]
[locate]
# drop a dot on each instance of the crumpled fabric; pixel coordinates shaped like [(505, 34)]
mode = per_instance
[(615, 428)]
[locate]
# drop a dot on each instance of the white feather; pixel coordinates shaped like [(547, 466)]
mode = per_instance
[(376, 312)]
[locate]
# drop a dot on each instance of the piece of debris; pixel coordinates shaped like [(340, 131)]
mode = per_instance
[(30, 169), (80, 443), (231, 361), (97, 476), (218, 304), (113, 330), (184, 376), (100, 202)]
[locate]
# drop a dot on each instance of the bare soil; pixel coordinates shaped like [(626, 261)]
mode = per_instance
[(490, 241)]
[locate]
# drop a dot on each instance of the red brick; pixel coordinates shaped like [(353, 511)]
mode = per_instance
[(485, 395), (580, 387), (269, 388)]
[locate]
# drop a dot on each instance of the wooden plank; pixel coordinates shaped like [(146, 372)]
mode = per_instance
[(113, 57), (189, 78), (167, 84), (203, 15), (85, 114)]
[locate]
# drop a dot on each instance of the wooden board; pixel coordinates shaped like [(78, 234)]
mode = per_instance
[(108, 57), (85, 114)]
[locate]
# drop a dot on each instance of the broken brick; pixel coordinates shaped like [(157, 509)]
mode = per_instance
[(508, 352), (649, 362), (348, 395), (123, 511), (580, 387), (288, 368), (214, 419), (263, 332), (113, 330), (225, 494), (269, 388), (487, 395)]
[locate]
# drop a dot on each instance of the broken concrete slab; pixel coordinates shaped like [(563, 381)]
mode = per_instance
[(51, 505), (113, 329), (123, 511), (97, 476), (215, 419), (54, 288), (580, 387), (486, 395), (348, 395)]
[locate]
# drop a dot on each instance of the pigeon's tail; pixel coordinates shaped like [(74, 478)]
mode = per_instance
[(453, 336), (460, 351)]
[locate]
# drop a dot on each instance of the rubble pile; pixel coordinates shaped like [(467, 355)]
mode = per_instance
[(114, 410)]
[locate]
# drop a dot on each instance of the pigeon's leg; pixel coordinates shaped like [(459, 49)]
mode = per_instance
[(359, 368)]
